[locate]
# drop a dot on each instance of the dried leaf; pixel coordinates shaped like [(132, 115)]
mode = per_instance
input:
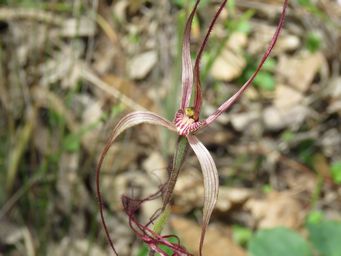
[(131, 90), (277, 209), (286, 97), (230, 62), (142, 64), (300, 71), (276, 119)]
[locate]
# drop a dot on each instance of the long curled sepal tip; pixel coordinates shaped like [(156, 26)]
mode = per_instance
[(211, 182), (128, 121), (227, 104)]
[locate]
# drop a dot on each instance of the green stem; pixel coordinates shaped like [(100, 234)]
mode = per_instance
[(162, 220), (15, 156), (178, 160)]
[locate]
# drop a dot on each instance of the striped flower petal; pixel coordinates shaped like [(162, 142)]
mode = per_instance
[(227, 104), (187, 67), (211, 182), (196, 71)]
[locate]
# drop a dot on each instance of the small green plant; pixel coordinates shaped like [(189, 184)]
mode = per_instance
[(313, 42), (314, 217), (241, 23), (306, 150), (265, 79), (312, 8), (287, 136), (336, 172), (241, 235), (267, 188), (183, 3), (325, 237), (278, 242)]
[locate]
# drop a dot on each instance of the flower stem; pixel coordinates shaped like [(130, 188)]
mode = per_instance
[(178, 160), (162, 220)]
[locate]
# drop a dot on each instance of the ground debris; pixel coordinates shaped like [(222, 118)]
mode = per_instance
[(80, 66)]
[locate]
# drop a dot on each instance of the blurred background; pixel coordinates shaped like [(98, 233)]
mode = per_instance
[(70, 69)]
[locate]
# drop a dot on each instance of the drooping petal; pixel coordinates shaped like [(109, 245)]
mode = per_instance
[(196, 71), (126, 122), (211, 182), (227, 104), (187, 73)]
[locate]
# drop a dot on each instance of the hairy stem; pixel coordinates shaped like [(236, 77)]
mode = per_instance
[(162, 220)]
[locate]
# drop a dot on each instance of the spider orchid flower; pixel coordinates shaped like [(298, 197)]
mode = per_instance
[(186, 123)]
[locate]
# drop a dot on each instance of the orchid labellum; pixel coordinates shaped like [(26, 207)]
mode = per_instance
[(186, 123)]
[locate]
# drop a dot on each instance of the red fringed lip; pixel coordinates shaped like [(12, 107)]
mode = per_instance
[(185, 124)]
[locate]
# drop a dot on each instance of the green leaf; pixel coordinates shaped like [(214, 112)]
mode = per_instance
[(267, 188), (143, 251), (336, 172), (325, 237), (305, 3), (183, 3), (278, 242), (270, 64), (313, 42), (241, 235), (314, 217), (265, 81), (243, 27), (72, 142), (55, 119), (241, 24), (306, 150), (287, 136), (231, 5), (312, 8)]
